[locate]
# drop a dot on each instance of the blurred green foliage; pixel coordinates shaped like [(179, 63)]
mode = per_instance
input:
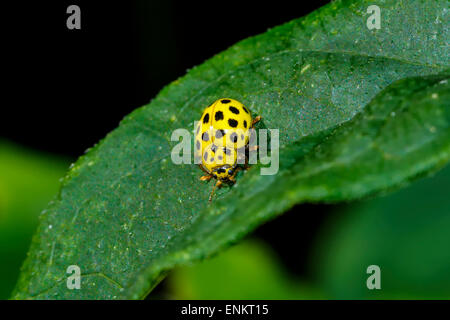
[(249, 270), (407, 234), (28, 181)]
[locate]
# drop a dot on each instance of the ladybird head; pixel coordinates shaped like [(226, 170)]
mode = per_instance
[(223, 172)]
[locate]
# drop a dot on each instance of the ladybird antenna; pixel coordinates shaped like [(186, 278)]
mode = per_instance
[(218, 184)]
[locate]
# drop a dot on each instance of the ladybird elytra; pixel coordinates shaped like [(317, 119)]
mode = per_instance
[(221, 134)]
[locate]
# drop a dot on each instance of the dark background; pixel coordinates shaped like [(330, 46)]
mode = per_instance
[(66, 89)]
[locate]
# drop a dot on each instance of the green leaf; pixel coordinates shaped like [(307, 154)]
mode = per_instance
[(405, 234), (126, 214)]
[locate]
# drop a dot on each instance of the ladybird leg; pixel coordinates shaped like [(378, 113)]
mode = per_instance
[(203, 169), (232, 178), (246, 166), (217, 185), (206, 177), (256, 120)]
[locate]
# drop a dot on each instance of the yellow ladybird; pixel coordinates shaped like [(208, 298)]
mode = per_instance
[(222, 137)]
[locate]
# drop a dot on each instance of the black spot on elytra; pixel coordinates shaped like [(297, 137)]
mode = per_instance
[(233, 123), (198, 129), (225, 101), (213, 148), (205, 136), (211, 160), (220, 157), (206, 118), (198, 145), (245, 123), (242, 137), (233, 137), (227, 151), (205, 156), (245, 109), (218, 116), (220, 133), (234, 110)]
